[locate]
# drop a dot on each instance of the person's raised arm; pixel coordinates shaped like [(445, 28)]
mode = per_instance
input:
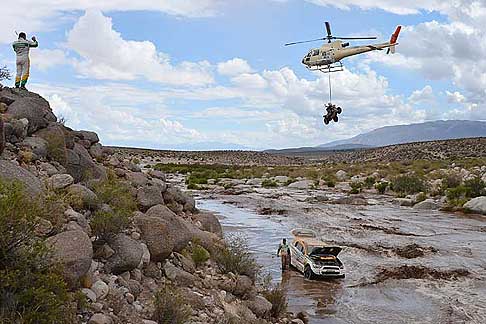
[(34, 42)]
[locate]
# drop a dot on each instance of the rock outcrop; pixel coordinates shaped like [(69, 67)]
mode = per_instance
[(477, 205)]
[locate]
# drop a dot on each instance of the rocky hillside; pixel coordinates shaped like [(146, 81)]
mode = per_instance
[(428, 131), (129, 244), (434, 150)]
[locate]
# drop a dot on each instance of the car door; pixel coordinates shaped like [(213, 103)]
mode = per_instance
[(299, 257)]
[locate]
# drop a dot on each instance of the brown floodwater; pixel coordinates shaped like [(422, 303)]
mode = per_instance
[(402, 265)]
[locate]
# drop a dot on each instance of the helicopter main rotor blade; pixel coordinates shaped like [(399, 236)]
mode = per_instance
[(328, 28), (308, 41), (347, 38)]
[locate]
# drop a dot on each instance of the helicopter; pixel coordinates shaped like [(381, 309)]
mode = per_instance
[(327, 59)]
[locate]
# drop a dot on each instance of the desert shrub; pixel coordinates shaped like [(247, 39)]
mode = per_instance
[(107, 224), (456, 196), (275, 294), (267, 183), (330, 183), (136, 161), (450, 181), (170, 306), (356, 187), (56, 149), (197, 253), (475, 187), (369, 182), (193, 186), (236, 257), (381, 187), (31, 291), (408, 184), (5, 73)]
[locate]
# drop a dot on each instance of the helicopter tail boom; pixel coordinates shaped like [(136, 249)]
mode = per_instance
[(393, 40)]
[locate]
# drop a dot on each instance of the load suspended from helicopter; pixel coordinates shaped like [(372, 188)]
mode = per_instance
[(327, 59)]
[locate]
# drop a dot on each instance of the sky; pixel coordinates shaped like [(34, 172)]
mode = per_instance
[(214, 74)]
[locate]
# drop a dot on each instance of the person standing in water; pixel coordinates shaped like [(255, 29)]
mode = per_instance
[(22, 48), (284, 253)]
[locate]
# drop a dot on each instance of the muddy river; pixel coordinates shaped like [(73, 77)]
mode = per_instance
[(402, 265)]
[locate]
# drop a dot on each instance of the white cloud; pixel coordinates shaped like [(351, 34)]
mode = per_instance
[(234, 67), (47, 58), (36, 16), (106, 55), (455, 97)]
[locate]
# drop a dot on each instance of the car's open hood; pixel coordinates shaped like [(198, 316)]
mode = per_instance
[(326, 250)]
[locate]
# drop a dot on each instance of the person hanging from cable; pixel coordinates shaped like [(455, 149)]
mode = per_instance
[(22, 48)]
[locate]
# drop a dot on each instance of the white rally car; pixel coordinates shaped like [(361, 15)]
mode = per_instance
[(313, 257)]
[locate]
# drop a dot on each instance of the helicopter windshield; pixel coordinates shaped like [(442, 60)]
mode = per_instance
[(315, 52)]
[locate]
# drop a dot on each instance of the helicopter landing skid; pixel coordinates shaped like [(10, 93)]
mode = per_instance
[(335, 67)]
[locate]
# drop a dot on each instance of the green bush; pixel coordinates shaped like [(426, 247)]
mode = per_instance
[(450, 181), (236, 257), (457, 196), (356, 187), (197, 253), (369, 182), (267, 183), (408, 184), (56, 147), (475, 187), (381, 187), (31, 290), (117, 194), (290, 181), (275, 294), (330, 183), (171, 307)]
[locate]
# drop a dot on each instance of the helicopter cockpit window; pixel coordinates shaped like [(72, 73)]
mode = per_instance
[(315, 52)]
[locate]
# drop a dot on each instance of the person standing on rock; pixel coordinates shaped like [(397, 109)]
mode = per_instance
[(284, 253), (22, 48)]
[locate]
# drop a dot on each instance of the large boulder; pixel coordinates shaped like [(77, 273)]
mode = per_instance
[(80, 163), (83, 197), (178, 275), (32, 107), (37, 145), (149, 196), (180, 229), (304, 184), (73, 250), (260, 306), (210, 223), (55, 138), (341, 175), (91, 137), (128, 254), (157, 234), (477, 205), (11, 172), (60, 181)]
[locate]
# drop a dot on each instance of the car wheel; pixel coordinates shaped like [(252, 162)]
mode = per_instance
[(336, 119), (326, 121), (308, 274), (339, 110)]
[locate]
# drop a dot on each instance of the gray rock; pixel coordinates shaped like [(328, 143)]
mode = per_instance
[(128, 254), (157, 234), (90, 295), (101, 289), (304, 184), (341, 175), (404, 202), (49, 168), (137, 179), (428, 204), (260, 306), (55, 138), (157, 174), (243, 286), (11, 172), (34, 108), (178, 275), (180, 230), (80, 164), (149, 196), (73, 250), (92, 137), (96, 151), (477, 205), (37, 145), (60, 181), (210, 223), (100, 319), (87, 198)]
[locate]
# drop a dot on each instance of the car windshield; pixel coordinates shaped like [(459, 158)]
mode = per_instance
[(324, 250)]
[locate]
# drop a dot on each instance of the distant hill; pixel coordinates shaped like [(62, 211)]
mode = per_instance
[(429, 131), (340, 147)]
